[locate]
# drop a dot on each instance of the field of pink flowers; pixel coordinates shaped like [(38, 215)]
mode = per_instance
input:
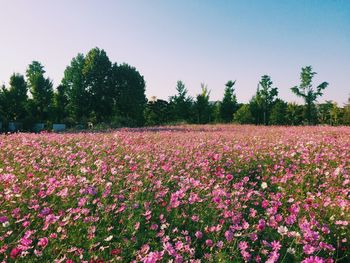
[(182, 194)]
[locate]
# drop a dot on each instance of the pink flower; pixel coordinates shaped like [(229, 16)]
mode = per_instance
[(309, 249), (229, 177), (199, 234), (276, 245), (262, 224), (3, 219), (43, 242), (209, 242), (243, 245), (313, 259), (15, 252), (229, 235), (265, 204)]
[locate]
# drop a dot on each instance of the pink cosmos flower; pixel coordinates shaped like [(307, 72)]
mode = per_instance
[(199, 234), (43, 242), (309, 249), (209, 242), (15, 252), (313, 259)]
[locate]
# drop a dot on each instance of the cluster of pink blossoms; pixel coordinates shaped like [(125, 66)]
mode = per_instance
[(220, 193)]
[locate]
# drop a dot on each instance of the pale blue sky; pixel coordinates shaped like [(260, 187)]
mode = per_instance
[(192, 40)]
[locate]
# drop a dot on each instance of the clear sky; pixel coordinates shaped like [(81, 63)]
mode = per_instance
[(191, 40)]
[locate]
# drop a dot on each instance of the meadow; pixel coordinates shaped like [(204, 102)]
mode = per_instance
[(221, 193)]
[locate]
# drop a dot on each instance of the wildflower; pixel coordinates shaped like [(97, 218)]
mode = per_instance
[(309, 249), (199, 234), (291, 250), (263, 185), (229, 235), (313, 259), (43, 242), (209, 242), (282, 230), (3, 219), (15, 252), (276, 245), (109, 238)]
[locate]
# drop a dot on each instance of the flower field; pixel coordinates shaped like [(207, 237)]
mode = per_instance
[(180, 194)]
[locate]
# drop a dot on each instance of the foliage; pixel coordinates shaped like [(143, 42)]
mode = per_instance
[(306, 91), (14, 99), (180, 104), (202, 106), (244, 115), (129, 93), (278, 114), (41, 90), (157, 112), (74, 81), (263, 101), (229, 103)]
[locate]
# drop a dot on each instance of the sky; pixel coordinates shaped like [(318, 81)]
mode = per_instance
[(196, 41)]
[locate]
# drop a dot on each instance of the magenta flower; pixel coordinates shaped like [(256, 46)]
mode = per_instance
[(43, 242), (313, 259), (3, 219)]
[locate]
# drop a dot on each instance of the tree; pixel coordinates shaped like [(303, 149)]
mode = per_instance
[(324, 112), (14, 100), (98, 84), (278, 113), (244, 115), (255, 108), (60, 102), (129, 93), (266, 96), (77, 95), (229, 102), (157, 112), (202, 106), (41, 90), (294, 114), (346, 114), (306, 91), (181, 103), (335, 114)]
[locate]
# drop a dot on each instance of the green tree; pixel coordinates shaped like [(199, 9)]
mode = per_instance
[(306, 91), (14, 100), (41, 91), (278, 113), (335, 113), (74, 82), (229, 102), (157, 112), (294, 114), (346, 113), (181, 104), (202, 106), (60, 102), (256, 108), (129, 93), (98, 84), (266, 96), (244, 115), (324, 112)]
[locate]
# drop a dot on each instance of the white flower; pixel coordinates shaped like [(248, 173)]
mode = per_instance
[(109, 238), (291, 250), (264, 185), (6, 224), (282, 230)]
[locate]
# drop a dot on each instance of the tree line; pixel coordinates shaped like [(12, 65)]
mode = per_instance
[(95, 90), (264, 108)]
